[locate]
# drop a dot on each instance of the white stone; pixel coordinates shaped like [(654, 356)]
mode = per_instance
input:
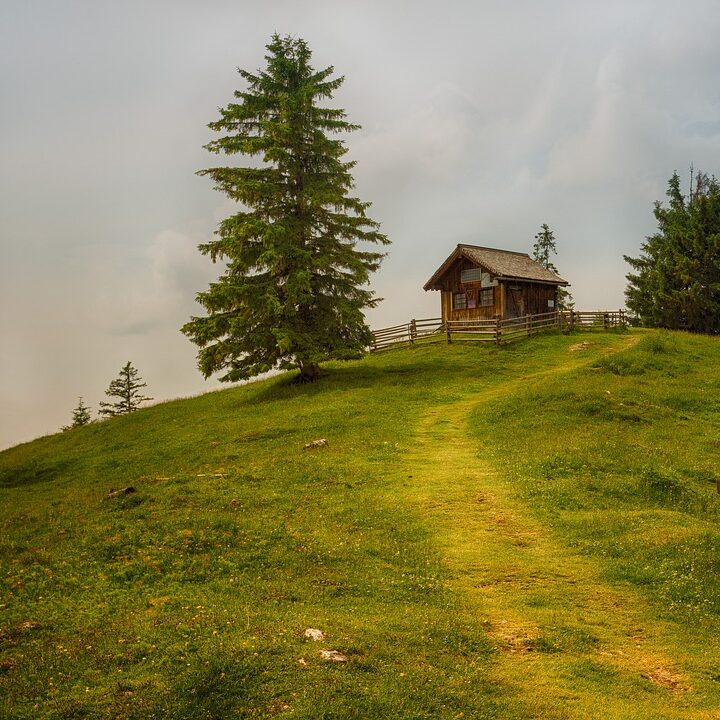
[(322, 442), (333, 655), (314, 634)]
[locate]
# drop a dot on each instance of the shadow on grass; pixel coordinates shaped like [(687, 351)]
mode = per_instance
[(35, 471)]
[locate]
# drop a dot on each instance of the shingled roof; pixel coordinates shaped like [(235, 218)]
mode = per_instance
[(504, 264)]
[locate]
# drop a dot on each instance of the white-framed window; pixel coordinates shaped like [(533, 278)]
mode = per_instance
[(471, 275)]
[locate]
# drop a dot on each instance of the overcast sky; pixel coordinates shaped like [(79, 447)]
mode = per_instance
[(480, 121)]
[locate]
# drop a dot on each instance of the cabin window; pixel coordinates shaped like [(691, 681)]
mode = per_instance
[(471, 275), (459, 301), (487, 297)]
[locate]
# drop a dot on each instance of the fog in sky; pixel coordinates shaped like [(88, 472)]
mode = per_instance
[(480, 121)]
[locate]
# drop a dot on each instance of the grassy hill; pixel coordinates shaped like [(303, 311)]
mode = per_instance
[(520, 532)]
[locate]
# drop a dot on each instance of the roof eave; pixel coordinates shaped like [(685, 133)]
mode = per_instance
[(517, 278), (442, 269)]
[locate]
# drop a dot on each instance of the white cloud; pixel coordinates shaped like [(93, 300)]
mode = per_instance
[(157, 291)]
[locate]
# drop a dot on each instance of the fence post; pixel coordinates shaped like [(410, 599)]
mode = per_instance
[(413, 331), (572, 320), (447, 328), (497, 331)]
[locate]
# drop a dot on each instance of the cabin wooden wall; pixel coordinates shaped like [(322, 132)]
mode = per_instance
[(527, 298), (452, 284), (486, 312), (511, 299)]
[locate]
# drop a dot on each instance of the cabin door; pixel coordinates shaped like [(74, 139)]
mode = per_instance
[(515, 302)]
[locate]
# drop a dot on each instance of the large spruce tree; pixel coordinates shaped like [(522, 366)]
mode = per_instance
[(676, 283), (295, 283)]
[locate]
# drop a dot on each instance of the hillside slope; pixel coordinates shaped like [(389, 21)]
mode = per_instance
[(516, 532)]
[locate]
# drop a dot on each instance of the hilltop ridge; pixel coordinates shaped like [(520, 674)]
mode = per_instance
[(504, 532)]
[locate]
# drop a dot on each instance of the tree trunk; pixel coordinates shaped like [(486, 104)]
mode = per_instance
[(309, 373)]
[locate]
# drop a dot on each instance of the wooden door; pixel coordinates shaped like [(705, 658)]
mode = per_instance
[(514, 302)]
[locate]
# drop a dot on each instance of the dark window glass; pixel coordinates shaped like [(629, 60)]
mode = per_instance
[(459, 301), (487, 296)]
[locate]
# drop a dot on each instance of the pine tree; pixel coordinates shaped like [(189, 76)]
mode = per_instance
[(80, 416), (542, 249), (126, 388), (294, 288), (676, 283)]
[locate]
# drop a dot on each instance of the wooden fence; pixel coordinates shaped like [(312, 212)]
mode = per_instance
[(497, 331)]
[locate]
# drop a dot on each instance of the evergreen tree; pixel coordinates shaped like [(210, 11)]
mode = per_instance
[(543, 249), (80, 416), (126, 388), (676, 283), (294, 288)]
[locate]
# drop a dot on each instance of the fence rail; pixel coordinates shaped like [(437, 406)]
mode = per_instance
[(425, 330), (429, 330)]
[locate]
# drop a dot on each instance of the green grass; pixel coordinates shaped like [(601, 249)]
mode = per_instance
[(524, 531), (629, 471)]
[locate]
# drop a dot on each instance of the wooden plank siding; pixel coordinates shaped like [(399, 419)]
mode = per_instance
[(528, 298), (453, 284)]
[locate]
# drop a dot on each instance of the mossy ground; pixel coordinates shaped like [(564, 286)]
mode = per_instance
[(515, 532)]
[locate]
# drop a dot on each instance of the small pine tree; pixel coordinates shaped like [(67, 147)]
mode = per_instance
[(542, 249), (80, 416), (545, 246), (126, 388)]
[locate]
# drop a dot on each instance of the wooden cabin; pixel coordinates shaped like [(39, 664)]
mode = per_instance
[(479, 283)]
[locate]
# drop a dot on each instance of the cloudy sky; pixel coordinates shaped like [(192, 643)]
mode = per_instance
[(480, 121)]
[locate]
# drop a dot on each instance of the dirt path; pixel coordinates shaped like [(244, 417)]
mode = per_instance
[(564, 636)]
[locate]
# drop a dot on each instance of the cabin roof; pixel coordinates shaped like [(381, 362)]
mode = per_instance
[(504, 264)]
